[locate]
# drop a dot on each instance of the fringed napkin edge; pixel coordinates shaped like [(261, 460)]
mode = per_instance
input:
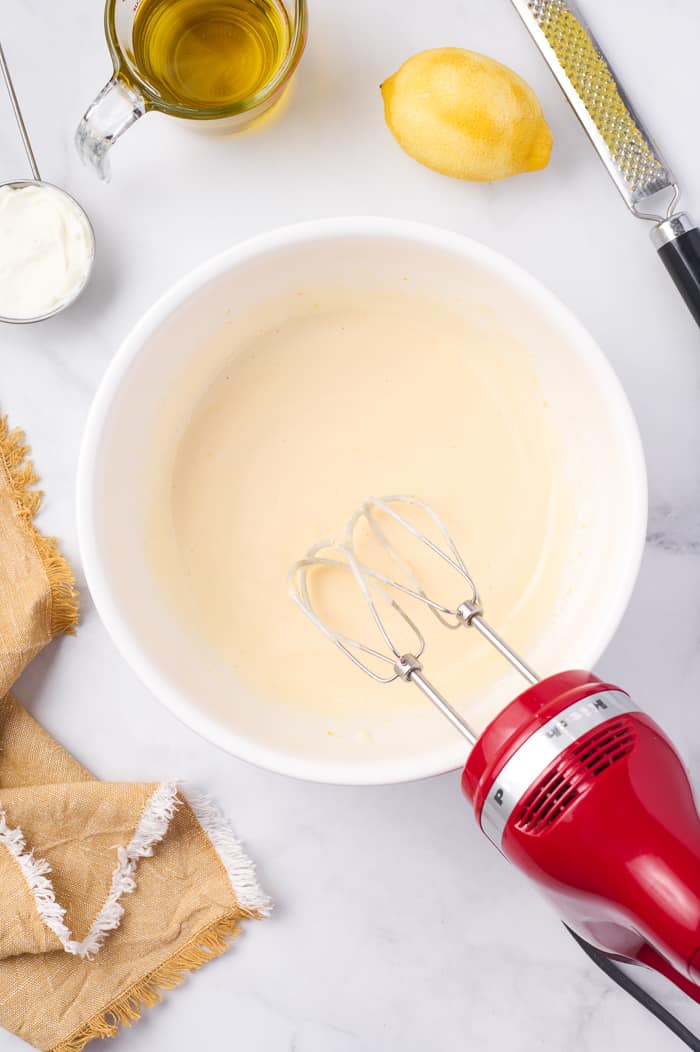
[(22, 479), (211, 941)]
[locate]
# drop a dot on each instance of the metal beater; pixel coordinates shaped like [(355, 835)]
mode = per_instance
[(406, 666)]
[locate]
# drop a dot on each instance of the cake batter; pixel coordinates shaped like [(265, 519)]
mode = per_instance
[(380, 394)]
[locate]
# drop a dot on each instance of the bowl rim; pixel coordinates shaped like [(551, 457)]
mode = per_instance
[(166, 690)]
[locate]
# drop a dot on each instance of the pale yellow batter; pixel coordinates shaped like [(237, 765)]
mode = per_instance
[(383, 395)]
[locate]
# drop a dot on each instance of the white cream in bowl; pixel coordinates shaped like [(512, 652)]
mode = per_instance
[(263, 398)]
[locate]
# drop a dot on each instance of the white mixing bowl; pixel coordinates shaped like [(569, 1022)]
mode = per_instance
[(599, 439)]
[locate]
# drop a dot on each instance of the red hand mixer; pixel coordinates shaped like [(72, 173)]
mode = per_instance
[(572, 782)]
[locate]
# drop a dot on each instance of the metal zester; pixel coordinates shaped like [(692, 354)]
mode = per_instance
[(629, 153)]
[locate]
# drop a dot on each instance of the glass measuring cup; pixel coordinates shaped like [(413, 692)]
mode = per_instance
[(131, 92)]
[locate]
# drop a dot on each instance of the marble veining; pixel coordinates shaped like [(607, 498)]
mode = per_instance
[(674, 529), (398, 928)]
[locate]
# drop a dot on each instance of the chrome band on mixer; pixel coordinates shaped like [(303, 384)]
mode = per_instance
[(544, 746)]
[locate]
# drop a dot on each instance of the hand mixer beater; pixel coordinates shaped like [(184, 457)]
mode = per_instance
[(572, 782)]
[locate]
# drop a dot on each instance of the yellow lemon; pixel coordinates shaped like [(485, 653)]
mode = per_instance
[(466, 115)]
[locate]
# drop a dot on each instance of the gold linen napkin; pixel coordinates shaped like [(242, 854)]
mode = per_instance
[(110, 893)]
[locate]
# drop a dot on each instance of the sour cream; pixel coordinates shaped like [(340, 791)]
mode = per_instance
[(46, 250)]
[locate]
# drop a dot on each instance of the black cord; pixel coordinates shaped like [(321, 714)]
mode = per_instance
[(641, 996)]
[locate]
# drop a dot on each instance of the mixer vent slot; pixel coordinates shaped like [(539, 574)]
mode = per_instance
[(552, 796), (607, 745)]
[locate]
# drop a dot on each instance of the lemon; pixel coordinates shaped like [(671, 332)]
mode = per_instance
[(466, 115)]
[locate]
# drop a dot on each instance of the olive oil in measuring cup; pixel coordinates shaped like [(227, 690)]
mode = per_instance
[(207, 54), (217, 62)]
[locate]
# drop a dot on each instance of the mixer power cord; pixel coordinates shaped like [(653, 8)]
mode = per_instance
[(641, 996)]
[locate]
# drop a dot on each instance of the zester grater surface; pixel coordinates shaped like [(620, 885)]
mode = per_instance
[(584, 74)]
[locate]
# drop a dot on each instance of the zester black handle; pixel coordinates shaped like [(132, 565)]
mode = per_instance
[(677, 240)]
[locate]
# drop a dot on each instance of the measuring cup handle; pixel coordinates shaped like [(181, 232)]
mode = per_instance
[(112, 113)]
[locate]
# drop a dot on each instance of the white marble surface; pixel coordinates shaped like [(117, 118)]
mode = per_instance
[(397, 927)]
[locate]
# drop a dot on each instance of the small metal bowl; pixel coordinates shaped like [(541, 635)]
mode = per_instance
[(18, 184)]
